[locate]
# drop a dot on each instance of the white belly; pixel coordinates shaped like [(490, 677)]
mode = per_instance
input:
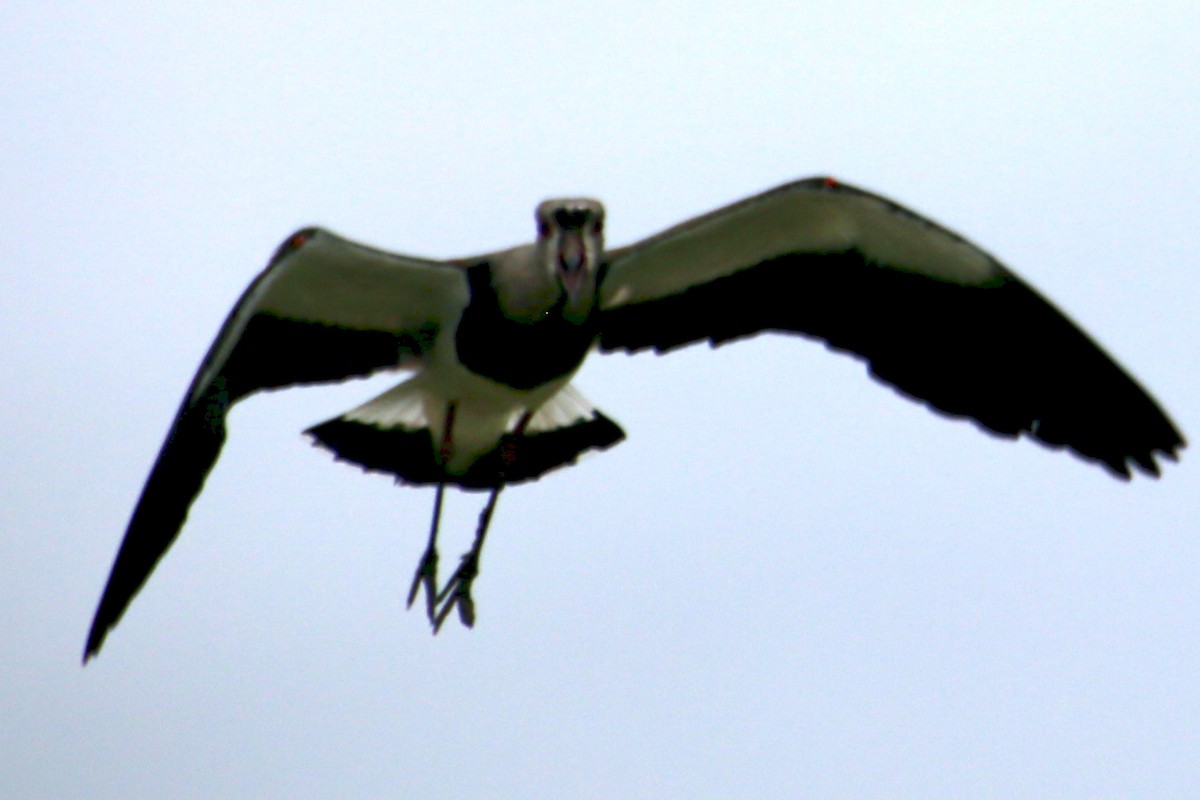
[(484, 410)]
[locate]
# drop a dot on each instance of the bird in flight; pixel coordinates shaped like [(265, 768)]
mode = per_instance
[(493, 341)]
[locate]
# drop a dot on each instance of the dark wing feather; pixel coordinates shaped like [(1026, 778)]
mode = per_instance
[(324, 309), (932, 314)]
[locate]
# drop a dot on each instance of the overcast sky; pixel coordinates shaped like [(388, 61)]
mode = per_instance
[(788, 582)]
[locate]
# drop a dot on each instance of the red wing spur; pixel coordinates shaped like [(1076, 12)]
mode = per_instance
[(493, 341)]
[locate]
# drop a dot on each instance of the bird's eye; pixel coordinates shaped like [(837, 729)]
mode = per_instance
[(543, 229), (598, 226)]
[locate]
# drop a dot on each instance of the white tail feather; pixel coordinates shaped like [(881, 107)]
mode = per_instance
[(564, 409), (405, 406)]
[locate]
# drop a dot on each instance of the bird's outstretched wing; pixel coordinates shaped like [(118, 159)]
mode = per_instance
[(933, 314), (324, 309)]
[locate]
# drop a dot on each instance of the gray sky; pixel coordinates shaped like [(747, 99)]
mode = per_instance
[(787, 582)]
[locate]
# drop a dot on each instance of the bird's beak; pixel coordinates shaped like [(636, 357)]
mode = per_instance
[(572, 261)]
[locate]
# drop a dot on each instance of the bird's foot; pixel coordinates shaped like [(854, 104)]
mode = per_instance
[(426, 578), (457, 593)]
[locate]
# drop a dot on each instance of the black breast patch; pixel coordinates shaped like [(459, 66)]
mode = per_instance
[(523, 355)]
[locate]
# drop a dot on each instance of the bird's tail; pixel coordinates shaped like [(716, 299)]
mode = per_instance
[(393, 433)]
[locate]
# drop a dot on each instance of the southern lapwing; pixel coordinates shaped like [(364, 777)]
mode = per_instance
[(494, 340)]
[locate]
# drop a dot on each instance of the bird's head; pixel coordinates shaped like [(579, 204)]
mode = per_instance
[(570, 244)]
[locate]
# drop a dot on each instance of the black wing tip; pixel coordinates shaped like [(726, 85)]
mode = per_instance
[(1160, 442), (1149, 464), (1143, 462), (95, 639)]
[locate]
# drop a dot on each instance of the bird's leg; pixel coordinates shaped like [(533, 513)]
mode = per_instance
[(457, 592), (426, 575)]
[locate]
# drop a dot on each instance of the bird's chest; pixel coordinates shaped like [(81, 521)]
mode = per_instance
[(522, 354)]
